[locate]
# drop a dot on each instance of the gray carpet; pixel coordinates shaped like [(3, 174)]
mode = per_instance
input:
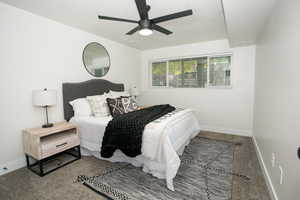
[(22, 184), (205, 173)]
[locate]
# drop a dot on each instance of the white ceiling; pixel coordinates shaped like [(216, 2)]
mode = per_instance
[(244, 19)]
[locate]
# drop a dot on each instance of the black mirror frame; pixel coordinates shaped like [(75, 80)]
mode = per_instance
[(84, 62)]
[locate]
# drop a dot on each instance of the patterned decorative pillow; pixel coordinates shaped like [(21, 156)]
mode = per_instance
[(115, 106), (129, 104), (99, 105)]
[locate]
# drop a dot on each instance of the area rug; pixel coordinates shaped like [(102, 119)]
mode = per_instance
[(205, 173)]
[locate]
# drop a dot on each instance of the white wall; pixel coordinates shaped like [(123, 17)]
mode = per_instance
[(35, 53), (277, 97), (223, 110)]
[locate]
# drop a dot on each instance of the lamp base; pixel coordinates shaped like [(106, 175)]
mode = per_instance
[(47, 125)]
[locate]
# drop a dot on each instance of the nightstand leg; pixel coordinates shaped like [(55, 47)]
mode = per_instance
[(79, 152), (27, 161), (41, 167)]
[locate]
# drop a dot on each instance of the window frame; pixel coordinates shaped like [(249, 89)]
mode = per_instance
[(191, 57)]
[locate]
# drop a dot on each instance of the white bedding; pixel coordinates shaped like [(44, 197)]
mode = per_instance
[(163, 141)]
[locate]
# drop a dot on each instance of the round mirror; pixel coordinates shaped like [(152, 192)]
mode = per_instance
[(96, 59)]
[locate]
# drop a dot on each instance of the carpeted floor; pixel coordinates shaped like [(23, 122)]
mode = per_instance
[(24, 185), (205, 173)]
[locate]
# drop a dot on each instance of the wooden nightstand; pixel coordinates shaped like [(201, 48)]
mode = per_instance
[(43, 144)]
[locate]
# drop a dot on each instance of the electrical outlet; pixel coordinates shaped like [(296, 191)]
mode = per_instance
[(273, 159), (281, 175), (3, 169)]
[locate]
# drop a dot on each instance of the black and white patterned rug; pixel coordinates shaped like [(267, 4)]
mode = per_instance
[(205, 174)]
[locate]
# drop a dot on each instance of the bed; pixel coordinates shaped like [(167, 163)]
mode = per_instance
[(163, 139)]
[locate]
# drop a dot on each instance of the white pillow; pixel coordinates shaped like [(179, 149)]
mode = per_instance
[(115, 94), (99, 105), (81, 107)]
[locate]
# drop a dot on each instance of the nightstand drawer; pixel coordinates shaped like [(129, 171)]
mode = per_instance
[(57, 143)]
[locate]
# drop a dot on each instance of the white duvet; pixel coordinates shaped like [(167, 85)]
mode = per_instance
[(163, 141)]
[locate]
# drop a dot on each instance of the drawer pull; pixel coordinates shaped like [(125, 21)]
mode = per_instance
[(63, 144)]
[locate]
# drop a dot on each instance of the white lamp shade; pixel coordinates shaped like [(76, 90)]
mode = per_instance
[(44, 97), (134, 91)]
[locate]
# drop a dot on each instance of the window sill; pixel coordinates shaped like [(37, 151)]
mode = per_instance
[(190, 88)]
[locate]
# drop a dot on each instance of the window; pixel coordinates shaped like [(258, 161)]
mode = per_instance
[(159, 71), (219, 71), (197, 72)]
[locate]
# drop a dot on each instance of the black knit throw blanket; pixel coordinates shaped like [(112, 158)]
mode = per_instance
[(125, 132)]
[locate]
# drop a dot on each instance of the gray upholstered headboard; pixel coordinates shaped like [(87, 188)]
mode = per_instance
[(92, 87)]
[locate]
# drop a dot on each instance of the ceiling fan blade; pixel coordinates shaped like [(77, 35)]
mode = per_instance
[(172, 16), (133, 30), (117, 19), (142, 8), (161, 29)]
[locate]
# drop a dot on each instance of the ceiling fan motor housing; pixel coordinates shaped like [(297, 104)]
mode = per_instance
[(145, 24)]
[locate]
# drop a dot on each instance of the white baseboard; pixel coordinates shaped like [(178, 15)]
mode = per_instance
[(271, 188), (226, 130), (12, 165)]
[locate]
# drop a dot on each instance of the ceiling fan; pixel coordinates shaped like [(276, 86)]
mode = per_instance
[(146, 25)]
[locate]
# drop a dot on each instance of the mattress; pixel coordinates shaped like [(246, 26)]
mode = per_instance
[(173, 132), (92, 130)]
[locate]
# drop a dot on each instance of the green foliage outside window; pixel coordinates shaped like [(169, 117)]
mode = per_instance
[(198, 72)]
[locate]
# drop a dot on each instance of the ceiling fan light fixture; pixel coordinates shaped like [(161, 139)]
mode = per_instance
[(145, 25), (145, 32)]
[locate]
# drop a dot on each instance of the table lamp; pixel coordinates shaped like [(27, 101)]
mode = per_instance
[(44, 98), (134, 91)]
